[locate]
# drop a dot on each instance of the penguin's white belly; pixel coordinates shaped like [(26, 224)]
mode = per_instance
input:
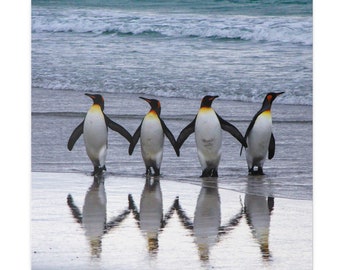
[(207, 216), (94, 212), (208, 135), (259, 138), (152, 139), (151, 210), (95, 136), (259, 216), (207, 219)]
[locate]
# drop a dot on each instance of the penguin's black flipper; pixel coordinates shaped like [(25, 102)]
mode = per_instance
[(135, 139), (168, 216), (270, 203), (171, 137), (114, 222), (185, 133), (183, 217), (232, 130), (133, 208), (118, 128), (75, 135), (74, 209), (250, 127), (271, 148), (252, 123), (241, 150)]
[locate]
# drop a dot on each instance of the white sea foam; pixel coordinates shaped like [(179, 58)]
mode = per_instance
[(173, 55), (259, 28)]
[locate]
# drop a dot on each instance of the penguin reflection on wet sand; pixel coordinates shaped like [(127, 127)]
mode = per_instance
[(150, 216), (151, 133), (259, 136), (95, 129), (206, 227), (93, 216), (208, 126), (258, 209)]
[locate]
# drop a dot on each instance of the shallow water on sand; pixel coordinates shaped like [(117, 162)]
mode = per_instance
[(81, 222), (56, 113)]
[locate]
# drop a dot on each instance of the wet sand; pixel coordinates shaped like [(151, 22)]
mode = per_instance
[(82, 222)]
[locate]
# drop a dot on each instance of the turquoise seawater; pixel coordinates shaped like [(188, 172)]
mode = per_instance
[(238, 50)]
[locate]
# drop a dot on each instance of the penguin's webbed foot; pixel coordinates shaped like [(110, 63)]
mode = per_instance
[(98, 170), (208, 172), (148, 171), (157, 172), (251, 172), (258, 172)]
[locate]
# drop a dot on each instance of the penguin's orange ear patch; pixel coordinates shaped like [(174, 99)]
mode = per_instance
[(269, 98), (158, 104)]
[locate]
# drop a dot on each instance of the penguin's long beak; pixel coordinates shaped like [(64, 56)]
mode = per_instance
[(213, 97), (276, 95), (90, 95), (146, 99)]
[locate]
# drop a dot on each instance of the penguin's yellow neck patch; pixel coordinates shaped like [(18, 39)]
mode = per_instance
[(267, 113), (205, 109), (95, 108), (152, 114)]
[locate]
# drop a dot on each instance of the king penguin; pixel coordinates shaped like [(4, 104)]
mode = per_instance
[(95, 128), (151, 132), (259, 136), (208, 126)]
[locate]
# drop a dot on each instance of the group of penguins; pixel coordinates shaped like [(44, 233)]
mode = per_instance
[(207, 126)]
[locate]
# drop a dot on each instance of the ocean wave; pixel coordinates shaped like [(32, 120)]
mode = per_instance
[(254, 96), (249, 28)]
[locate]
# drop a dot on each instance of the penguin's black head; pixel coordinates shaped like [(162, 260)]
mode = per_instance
[(97, 99), (268, 100), (154, 103), (207, 100)]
